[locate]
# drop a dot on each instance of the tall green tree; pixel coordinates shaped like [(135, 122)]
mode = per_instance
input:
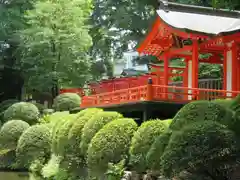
[(55, 43), (11, 21)]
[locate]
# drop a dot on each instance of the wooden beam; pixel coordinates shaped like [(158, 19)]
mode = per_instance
[(232, 37), (177, 51)]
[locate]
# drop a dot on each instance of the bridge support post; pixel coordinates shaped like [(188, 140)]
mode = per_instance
[(146, 114)]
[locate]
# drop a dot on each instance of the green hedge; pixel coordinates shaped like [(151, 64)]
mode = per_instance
[(75, 133), (142, 141), (202, 111), (10, 133), (227, 103), (40, 107), (66, 101), (60, 138), (23, 111), (74, 159), (54, 119), (205, 144), (110, 145), (4, 105), (34, 144), (156, 150), (94, 125), (8, 160), (89, 111)]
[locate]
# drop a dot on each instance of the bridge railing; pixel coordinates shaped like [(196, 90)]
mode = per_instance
[(155, 93)]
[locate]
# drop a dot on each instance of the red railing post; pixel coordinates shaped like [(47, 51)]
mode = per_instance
[(149, 96)]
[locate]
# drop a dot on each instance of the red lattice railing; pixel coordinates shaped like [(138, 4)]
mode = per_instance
[(155, 93)]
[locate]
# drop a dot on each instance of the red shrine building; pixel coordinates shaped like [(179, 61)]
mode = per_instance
[(210, 32), (195, 34)]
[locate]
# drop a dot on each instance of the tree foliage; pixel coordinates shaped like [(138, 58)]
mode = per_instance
[(56, 40)]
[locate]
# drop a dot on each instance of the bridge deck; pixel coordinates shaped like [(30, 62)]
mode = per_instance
[(150, 93)]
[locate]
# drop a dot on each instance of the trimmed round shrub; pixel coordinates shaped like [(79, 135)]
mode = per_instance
[(48, 111), (54, 118), (4, 105), (75, 156), (156, 150), (7, 159), (11, 132), (60, 139), (34, 144), (235, 103), (227, 103), (205, 144), (142, 141), (40, 107), (66, 101), (93, 125), (202, 111), (23, 111), (110, 145), (167, 121), (89, 111)]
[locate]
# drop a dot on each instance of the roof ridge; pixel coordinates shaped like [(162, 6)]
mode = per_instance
[(172, 6)]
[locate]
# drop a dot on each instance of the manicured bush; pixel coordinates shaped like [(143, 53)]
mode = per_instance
[(235, 103), (54, 118), (227, 103), (10, 133), (4, 105), (156, 150), (66, 101), (93, 125), (60, 138), (89, 111), (75, 156), (205, 144), (142, 141), (7, 159), (69, 158), (167, 121), (202, 111), (51, 168), (40, 107), (23, 111), (110, 145), (34, 144), (48, 111)]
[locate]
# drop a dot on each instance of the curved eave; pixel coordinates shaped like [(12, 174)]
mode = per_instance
[(149, 36)]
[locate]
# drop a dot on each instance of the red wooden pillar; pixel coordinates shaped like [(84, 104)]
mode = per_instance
[(234, 68), (225, 69), (165, 75), (185, 80), (195, 64), (238, 71)]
